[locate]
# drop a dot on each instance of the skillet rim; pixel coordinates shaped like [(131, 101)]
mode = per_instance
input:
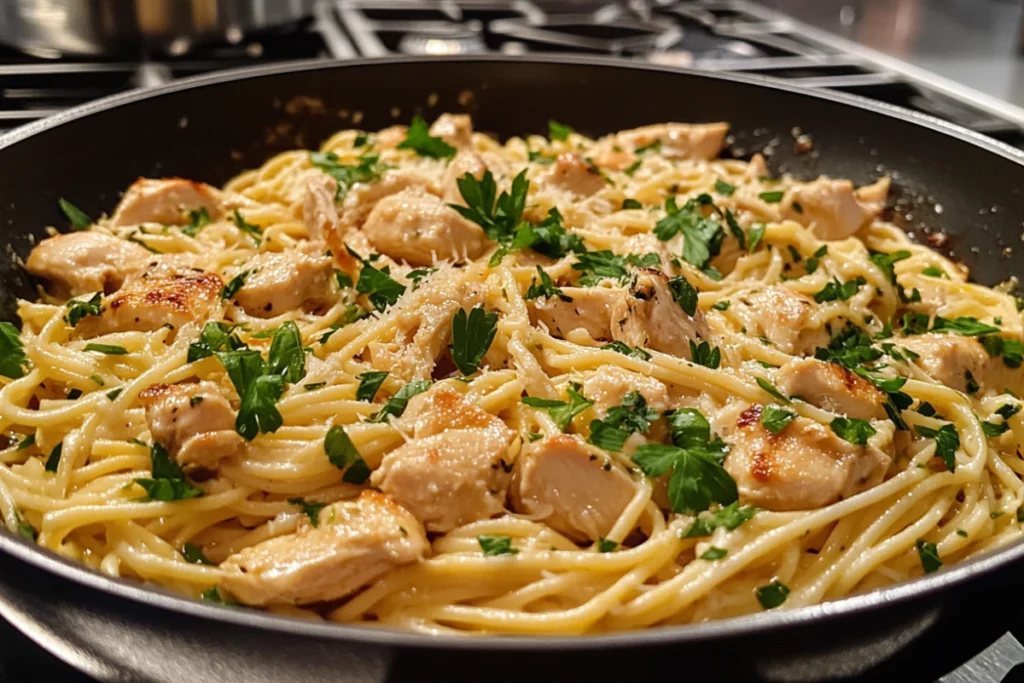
[(149, 596)]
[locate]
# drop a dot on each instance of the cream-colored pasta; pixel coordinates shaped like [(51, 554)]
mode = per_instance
[(87, 506)]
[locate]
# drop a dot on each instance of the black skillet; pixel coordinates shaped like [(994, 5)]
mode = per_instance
[(209, 128)]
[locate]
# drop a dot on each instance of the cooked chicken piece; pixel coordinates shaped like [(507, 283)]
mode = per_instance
[(650, 317), (319, 211), (873, 196), (954, 361), (422, 324), (783, 316), (82, 262), (455, 129), (561, 483), (390, 137), (464, 162), (757, 168), (354, 543), (803, 467), (167, 201), (285, 280), (589, 308), (194, 422), (647, 243), (609, 384), (157, 298), (679, 140), (444, 408), (827, 207), (831, 387), (571, 173), (421, 229), (448, 479), (609, 154)]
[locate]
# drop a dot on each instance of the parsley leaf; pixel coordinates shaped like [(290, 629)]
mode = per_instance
[(497, 218), (558, 131), (235, 284), (965, 326), (724, 188), (366, 171), (419, 140), (729, 517), (598, 265), (853, 430), (286, 357), (947, 442), (108, 349), (773, 197), (343, 454), (706, 355), (168, 482), (194, 554), (775, 593), (249, 229), (885, 262), (776, 418), (546, 288), (562, 412), (471, 337), (684, 293), (215, 596), (310, 508), (25, 530), (369, 383), (624, 349), (496, 545), (13, 360), (258, 390), (994, 429), (632, 416), (197, 220), (78, 309), (929, 554), (756, 234), (839, 290), (381, 289), (78, 218), (631, 204), (770, 388), (396, 404), (1008, 410), (214, 337), (606, 546), (702, 236), (53, 460), (713, 553), (1010, 350), (606, 436)]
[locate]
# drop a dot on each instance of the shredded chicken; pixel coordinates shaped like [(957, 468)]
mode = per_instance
[(420, 229), (831, 387), (283, 281), (194, 422), (90, 261), (650, 317), (353, 543), (803, 467)]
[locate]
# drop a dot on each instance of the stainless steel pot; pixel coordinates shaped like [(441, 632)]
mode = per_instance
[(52, 28)]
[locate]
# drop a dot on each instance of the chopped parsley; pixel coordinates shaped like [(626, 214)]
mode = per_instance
[(310, 508), (702, 236), (625, 350), (713, 553), (258, 389), (776, 418), (947, 442), (546, 287), (168, 482), (194, 554), (772, 197), (79, 219), (548, 238), (78, 309), (839, 290), (724, 188), (25, 530), (684, 293), (812, 262), (631, 204), (770, 388), (53, 460), (419, 140), (1010, 350), (853, 430), (729, 517), (367, 170), (964, 326), (558, 131), (774, 594), (214, 337), (562, 412), (885, 262), (343, 454), (108, 349), (933, 271), (369, 383), (215, 596), (396, 404), (1008, 410), (756, 234), (381, 289), (13, 360), (598, 265), (721, 305), (929, 554), (605, 545), (471, 337), (197, 220), (695, 461), (498, 217), (496, 545), (705, 354), (632, 416), (235, 284), (249, 229)]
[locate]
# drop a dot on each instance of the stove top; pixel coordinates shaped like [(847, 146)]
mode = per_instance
[(716, 35)]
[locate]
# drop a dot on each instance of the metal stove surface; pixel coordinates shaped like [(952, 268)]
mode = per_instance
[(717, 35)]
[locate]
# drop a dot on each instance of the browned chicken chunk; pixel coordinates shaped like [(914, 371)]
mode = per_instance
[(455, 129), (958, 361), (805, 466), (194, 422), (558, 481), (157, 298), (421, 229), (831, 387), (608, 385), (651, 318), (442, 408), (589, 308), (679, 140), (827, 207), (571, 173), (82, 262), (283, 281), (167, 201), (784, 317), (448, 479), (353, 543)]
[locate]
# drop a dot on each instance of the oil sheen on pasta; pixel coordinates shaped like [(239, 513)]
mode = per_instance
[(428, 380)]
